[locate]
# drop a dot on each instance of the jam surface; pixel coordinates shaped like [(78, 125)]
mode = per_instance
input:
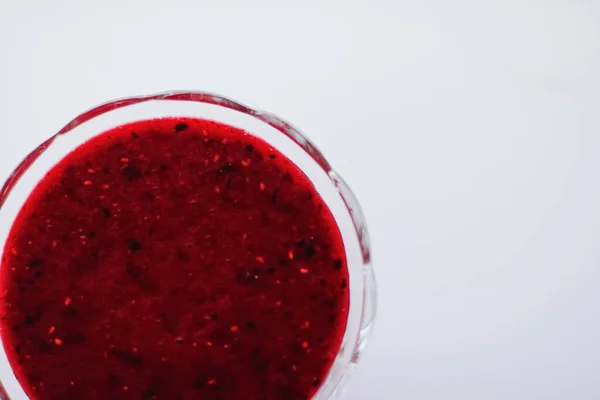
[(173, 259)]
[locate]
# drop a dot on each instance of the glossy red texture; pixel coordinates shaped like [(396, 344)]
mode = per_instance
[(174, 259)]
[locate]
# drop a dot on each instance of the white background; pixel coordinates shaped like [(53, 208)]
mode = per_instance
[(470, 132)]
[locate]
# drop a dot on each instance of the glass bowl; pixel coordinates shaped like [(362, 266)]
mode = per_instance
[(274, 130)]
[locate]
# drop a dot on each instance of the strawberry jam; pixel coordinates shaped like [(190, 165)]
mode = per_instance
[(173, 259)]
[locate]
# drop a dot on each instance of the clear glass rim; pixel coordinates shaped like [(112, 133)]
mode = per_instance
[(369, 303)]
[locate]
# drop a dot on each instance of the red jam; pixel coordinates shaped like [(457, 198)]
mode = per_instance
[(174, 259)]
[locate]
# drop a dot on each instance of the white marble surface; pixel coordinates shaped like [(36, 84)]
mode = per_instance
[(470, 131)]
